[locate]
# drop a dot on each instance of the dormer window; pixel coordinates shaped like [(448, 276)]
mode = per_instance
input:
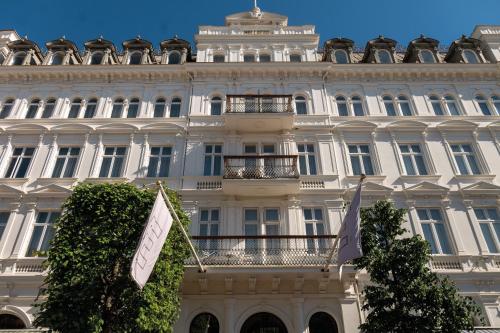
[(470, 57), (265, 58), (174, 58), (18, 58), (300, 105), (216, 106), (219, 58), (96, 58), (383, 57), (426, 57), (135, 58), (57, 58), (295, 58), (249, 58), (340, 57)]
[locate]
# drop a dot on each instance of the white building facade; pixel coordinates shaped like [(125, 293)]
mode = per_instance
[(265, 137)]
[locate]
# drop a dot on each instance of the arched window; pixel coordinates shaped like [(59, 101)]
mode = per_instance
[(219, 58), (159, 111), (33, 108), (322, 322), (389, 105), (427, 57), (117, 110), (483, 105), (2, 58), (91, 108), (133, 108), (451, 105), (496, 103), (342, 106), (175, 107), (340, 57), (216, 106), (174, 58), (249, 58), (295, 58), (135, 58), (263, 322), (6, 108), (204, 323), (48, 110), (470, 57), (57, 58), (436, 105), (265, 58), (76, 105), (300, 105), (383, 57), (10, 322), (96, 58), (357, 106), (18, 58), (404, 105)]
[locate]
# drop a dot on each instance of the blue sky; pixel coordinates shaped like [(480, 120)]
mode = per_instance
[(156, 20)]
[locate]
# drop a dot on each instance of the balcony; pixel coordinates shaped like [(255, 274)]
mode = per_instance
[(259, 113), (262, 250), (251, 175)]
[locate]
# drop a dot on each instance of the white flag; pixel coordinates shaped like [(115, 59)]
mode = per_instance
[(152, 240), (350, 232)]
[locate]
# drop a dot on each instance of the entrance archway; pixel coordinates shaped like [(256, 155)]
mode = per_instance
[(322, 322), (204, 323), (263, 322), (8, 321)]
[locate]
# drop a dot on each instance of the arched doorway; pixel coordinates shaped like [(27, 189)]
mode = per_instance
[(263, 322), (8, 321), (204, 323), (322, 322)]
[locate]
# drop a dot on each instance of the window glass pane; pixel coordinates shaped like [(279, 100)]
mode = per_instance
[(438, 110), (214, 215), (389, 108), (295, 58), (319, 214), (496, 227), (300, 107), (250, 215), (218, 149), (164, 166), (207, 169), (47, 238), (443, 238), (484, 108), (480, 215), (307, 214), (410, 170), (461, 165), (422, 214), (358, 109), (470, 57), (133, 109), (488, 237), (272, 215), (23, 167), (70, 167), (58, 168), (492, 212), (405, 109), (427, 57), (342, 109), (106, 164), (35, 240), (320, 229), (250, 230), (473, 165), (302, 165), (367, 162), (341, 57), (436, 214), (217, 165), (203, 229), (264, 58), (426, 228), (384, 57), (309, 229), (153, 166), (422, 170), (312, 165), (117, 167), (356, 165), (219, 58)]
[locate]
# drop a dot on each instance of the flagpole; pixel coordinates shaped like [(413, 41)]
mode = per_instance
[(176, 218), (337, 239)]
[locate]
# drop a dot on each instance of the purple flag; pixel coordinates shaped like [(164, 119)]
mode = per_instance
[(350, 232)]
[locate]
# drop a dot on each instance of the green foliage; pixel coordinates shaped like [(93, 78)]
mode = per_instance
[(406, 296), (88, 287)]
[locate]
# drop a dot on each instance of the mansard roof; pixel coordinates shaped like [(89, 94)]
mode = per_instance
[(137, 43), (338, 43), (24, 44), (61, 44), (99, 44), (175, 43), (455, 51), (256, 17)]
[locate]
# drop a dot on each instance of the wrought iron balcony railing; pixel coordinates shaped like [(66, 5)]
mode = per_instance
[(260, 167), (259, 104), (262, 250)]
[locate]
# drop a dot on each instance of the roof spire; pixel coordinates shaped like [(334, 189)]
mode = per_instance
[(254, 3)]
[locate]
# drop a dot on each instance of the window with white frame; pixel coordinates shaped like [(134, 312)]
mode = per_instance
[(315, 226), (91, 108), (444, 106), (209, 226), (436, 105), (399, 107), (383, 57), (175, 108), (495, 100), (434, 230), (6, 108), (66, 162), (135, 58), (18, 58), (413, 159), (75, 108), (112, 162), (307, 159), (389, 105), (340, 57), (118, 106), (300, 105), (57, 58), (272, 228), (470, 57), (216, 106), (482, 102), (43, 232), (248, 58), (342, 106), (20, 162), (465, 159), (33, 108), (96, 58), (264, 58), (361, 160), (160, 107), (159, 161), (489, 223), (133, 108), (354, 108), (404, 106), (451, 105), (48, 110), (4, 219), (213, 160), (251, 227), (357, 106)]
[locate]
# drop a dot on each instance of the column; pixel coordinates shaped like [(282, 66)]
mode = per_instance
[(129, 154), (298, 315), (143, 167), (414, 221), (24, 233), (6, 152), (96, 159), (350, 315), (50, 156), (82, 155), (229, 305), (10, 228)]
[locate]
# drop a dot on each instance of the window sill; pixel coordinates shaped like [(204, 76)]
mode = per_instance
[(113, 180), (58, 181), (415, 179), (13, 181), (473, 178), (372, 178)]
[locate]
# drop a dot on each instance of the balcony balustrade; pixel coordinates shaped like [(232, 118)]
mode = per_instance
[(260, 167), (259, 104), (262, 250)]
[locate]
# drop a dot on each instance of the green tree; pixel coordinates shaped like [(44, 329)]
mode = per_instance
[(405, 296), (88, 287)]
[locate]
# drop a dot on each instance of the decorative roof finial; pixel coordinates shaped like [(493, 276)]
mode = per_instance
[(255, 4)]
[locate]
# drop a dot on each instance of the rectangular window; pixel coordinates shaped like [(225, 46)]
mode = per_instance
[(489, 222), (213, 160), (307, 159), (4, 218), (361, 161), (465, 159), (250, 225), (20, 162), (272, 228), (315, 226), (209, 226), (159, 161), (66, 162), (434, 230), (413, 159), (112, 162), (43, 232)]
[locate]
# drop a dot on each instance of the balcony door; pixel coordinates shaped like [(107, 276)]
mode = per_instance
[(257, 167), (261, 222)]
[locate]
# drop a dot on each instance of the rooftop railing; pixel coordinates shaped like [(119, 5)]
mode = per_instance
[(260, 167), (259, 104)]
